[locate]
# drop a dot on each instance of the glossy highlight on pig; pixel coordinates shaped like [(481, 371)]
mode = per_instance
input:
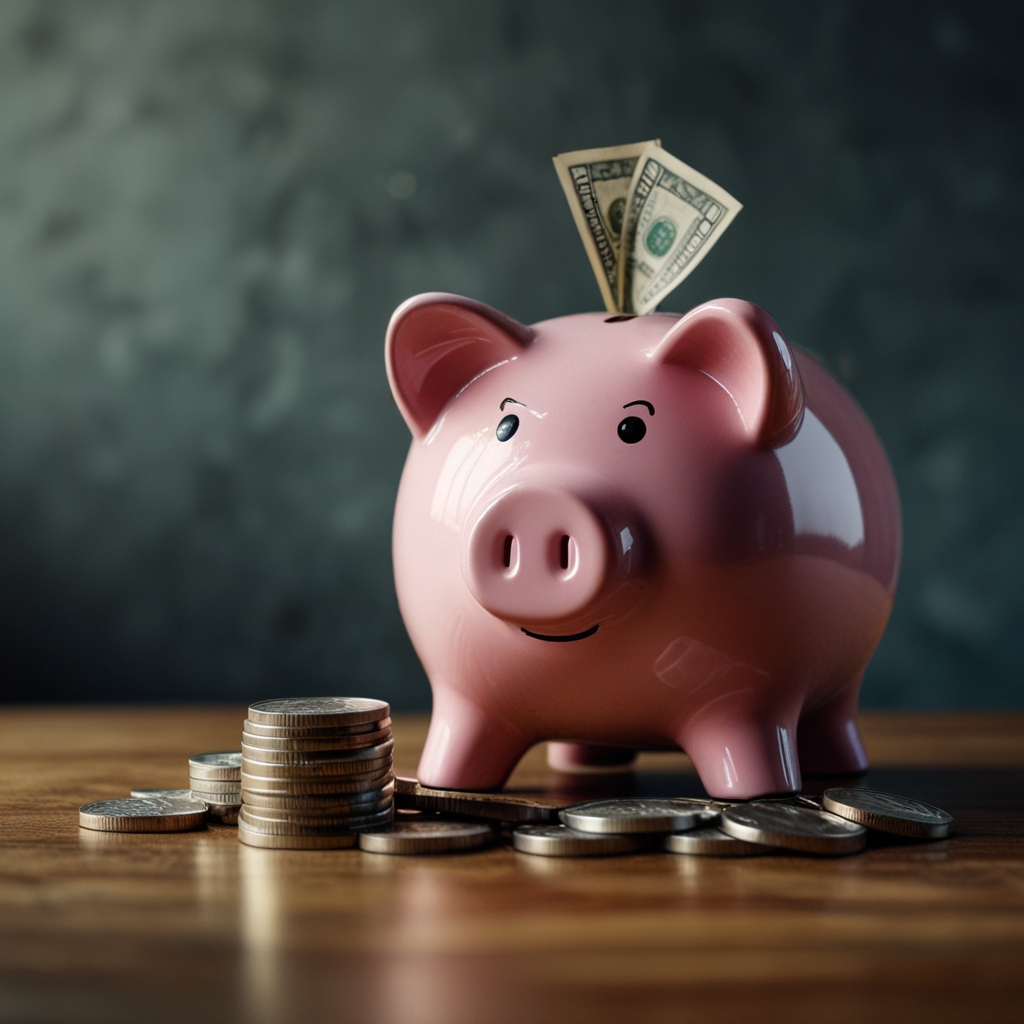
[(623, 533)]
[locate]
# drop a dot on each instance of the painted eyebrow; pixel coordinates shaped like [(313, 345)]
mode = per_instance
[(513, 401), (640, 401)]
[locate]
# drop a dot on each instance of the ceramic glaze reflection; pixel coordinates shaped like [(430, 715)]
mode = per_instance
[(714, 576)]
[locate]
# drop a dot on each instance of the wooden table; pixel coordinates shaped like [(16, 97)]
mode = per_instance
[(195, 926)]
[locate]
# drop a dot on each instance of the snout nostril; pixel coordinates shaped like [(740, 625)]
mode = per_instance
[(563, 552), (506, 555)]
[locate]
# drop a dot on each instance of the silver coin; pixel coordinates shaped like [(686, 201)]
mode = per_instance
[(275, 842), (561, 841), (711, 842), (316, 754), (300, 746), (337, 802), (312, 732), (620, 817), (316, 770), (793, 827), (142, 814), (274, 826), (217, 799), (261, 817), (886, 812), (358, 783), (163, 794), (218, 764), (426, 836), (313, 711), (217, 785)]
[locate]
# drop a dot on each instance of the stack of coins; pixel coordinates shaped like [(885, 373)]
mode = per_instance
[(315, 772), (216, 779)]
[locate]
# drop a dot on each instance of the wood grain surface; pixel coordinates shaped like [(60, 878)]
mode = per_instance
[(195, 926)]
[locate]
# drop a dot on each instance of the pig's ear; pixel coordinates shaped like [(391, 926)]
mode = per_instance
[(437, 343), (740, 347)]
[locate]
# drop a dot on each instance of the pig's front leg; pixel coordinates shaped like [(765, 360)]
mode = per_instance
[(741, 758), (828, 739), (466, 748)]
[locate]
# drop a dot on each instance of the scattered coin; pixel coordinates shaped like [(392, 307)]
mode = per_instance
[(318, 711), (886, 812), (143, 814), (793, 827), (490, 806), (619, 817), (426, 836), (712, 842), (561, 841)]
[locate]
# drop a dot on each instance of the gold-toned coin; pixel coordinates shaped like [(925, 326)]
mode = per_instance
[(316, 787), (284, 732), (622, 817), (216, 785), (561, 841), (315, 769), (300, 747), (338, 802), (274, 842), (273, 826), (318, 754), (793, 827), (711, 842), (509, 807), (318, 711), (217, 764), (139, 814), (886, 812), (426, 836)]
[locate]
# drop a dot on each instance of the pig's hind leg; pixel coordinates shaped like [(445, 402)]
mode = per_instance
[(741, 757), (467, 748), (827, 737)]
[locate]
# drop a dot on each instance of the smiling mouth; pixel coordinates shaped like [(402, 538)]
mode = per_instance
[(563, 639)]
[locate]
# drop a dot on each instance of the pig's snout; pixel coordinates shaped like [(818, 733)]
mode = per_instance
[(535, 555)]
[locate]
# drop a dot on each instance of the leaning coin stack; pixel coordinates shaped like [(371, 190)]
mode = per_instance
[(315, 772), (216, 779)]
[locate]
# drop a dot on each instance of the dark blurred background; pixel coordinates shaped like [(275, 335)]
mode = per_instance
[(209, 209)]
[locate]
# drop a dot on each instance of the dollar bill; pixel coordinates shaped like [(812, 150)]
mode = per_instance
[(673, 216), (596, 182)]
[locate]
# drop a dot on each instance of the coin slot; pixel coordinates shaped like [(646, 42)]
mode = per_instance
[(563, 552), (506, 557), (620, 318)]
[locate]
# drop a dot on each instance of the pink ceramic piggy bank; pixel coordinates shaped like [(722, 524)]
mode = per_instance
[(636, 533)]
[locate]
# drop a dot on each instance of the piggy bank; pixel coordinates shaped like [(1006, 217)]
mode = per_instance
[(620, 533)]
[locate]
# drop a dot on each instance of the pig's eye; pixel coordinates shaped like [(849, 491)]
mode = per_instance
[(631, 429), (509, 425)]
